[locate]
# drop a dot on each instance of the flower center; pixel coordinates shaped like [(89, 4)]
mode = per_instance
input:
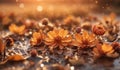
[(57, 39), (85, 42)]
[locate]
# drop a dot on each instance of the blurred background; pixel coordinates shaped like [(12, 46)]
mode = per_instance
[(60, 8)]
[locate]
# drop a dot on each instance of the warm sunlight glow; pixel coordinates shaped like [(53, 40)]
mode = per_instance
[(39, 8), (21, 5)]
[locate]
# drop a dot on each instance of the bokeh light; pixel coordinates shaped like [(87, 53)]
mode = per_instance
[(39, 8), (21, 5)]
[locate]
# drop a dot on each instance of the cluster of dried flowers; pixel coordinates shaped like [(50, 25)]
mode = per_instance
[(92, 35)]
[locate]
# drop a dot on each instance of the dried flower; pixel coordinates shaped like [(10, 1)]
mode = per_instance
[(98, 29), (37, 38), (78, 29), (85, 40), (9, 41), (17, 29), (58, 38), (105, 50), (45, 21), (33, 52)]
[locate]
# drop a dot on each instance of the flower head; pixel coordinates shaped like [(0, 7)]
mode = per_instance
[(105, 50), (17, 29), (98, 29), (33, 53), (85, 40), (9, 41), (45, 21), (58, 38), (37, 38)]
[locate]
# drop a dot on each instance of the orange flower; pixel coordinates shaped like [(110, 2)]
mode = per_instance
[(33, 53), (45, 21), (9, 41), (85, 40), (17, 29), (37, 38), (105, 50), (58, 38), (98, 29)]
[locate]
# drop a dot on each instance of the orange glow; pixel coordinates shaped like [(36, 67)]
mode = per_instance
[(39, 8), (21, 5)]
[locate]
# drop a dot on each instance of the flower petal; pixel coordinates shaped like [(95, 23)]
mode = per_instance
[(67, 39), (107, 48), (63, 33), (78, 38)]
